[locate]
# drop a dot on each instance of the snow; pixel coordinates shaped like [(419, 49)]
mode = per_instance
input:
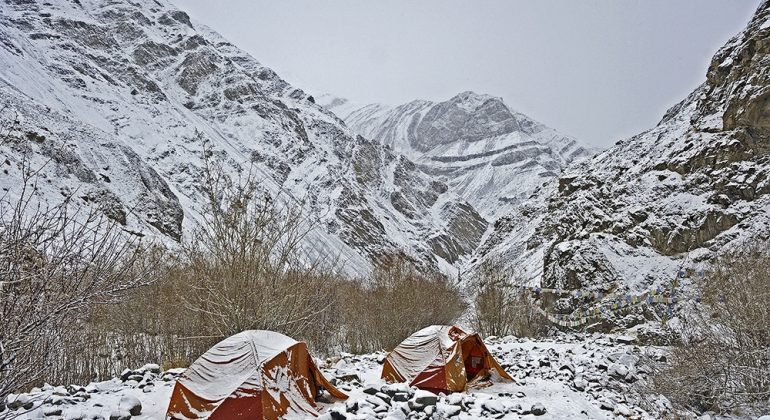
[(493, 172), (547, 373), (103, 110)]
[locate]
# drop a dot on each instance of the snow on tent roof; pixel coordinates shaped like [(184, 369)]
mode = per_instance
[(424, 348), (233, 362)]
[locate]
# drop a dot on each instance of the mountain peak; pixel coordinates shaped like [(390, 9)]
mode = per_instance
[(471, 101), (491, 156)]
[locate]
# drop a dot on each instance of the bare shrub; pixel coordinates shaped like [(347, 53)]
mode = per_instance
[(245, 266), (501, 305), (396, 301), (56, 262), (724, 360)]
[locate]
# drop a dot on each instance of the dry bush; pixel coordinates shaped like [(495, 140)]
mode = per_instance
[(723, 363), (56, 262), (394, 302), (244, 267), (501, 305)]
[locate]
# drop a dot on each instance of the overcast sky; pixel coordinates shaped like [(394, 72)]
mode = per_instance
[(600, 70)]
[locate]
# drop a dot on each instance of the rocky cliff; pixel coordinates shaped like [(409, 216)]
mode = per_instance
[(666, 200)]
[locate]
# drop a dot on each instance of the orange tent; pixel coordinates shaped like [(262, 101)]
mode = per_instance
[(440, 358), (251, 375)]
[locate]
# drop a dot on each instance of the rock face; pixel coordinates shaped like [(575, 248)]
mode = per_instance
[(488, 154), (121, 98), (667, 199)]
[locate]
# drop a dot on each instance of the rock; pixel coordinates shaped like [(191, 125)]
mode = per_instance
[(455, 398), (425, 398), (607, 406), (537, 409), (57, 400), (378, 403), (52, 411), (352, 377), (150, 367), (493, 406), (175, 371), (351, 406), (401, 397), (332, 415), (396, 415), (617, 370), (14, 402), (625, 339), (414, 406), (131, 404), (60, 391), (370, 390), (447, 410), (623, 410), (383, 396), (392, 389), (125, 374), (120, 415), (580, 384), (74, 389)]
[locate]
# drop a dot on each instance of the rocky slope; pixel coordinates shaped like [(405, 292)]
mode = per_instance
[(116, 99), (486, 153), (666, 200)]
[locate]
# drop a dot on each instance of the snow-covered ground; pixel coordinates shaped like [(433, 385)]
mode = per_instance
[(569, 376)]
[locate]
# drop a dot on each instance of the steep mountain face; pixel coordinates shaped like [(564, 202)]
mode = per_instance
[(486, 153), (668, 199), (115, 101)]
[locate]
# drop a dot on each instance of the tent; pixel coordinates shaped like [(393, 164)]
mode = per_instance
[(440, 358), (251, 375)]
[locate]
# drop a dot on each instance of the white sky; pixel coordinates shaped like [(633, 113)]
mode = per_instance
[(601, 70)]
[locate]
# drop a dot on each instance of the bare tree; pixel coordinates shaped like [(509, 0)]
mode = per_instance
[(723, 363), (397, 300), (246, 266), (501, 305), (56, 262)]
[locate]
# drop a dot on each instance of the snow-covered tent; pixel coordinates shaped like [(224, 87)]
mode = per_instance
[(251, 375), (441, 358)]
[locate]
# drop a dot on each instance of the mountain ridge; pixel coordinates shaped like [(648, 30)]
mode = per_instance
[(146, 87), (487, 153)]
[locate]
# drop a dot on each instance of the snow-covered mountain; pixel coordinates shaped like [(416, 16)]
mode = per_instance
[(666, 200), (119, 98), (486, 153)]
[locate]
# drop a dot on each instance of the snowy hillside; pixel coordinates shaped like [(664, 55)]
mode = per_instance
[(120, 97), (488, 154), (666, 200)]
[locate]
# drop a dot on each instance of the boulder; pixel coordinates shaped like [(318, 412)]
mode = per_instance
[(537, 409), (131, 404), (423, 397)]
